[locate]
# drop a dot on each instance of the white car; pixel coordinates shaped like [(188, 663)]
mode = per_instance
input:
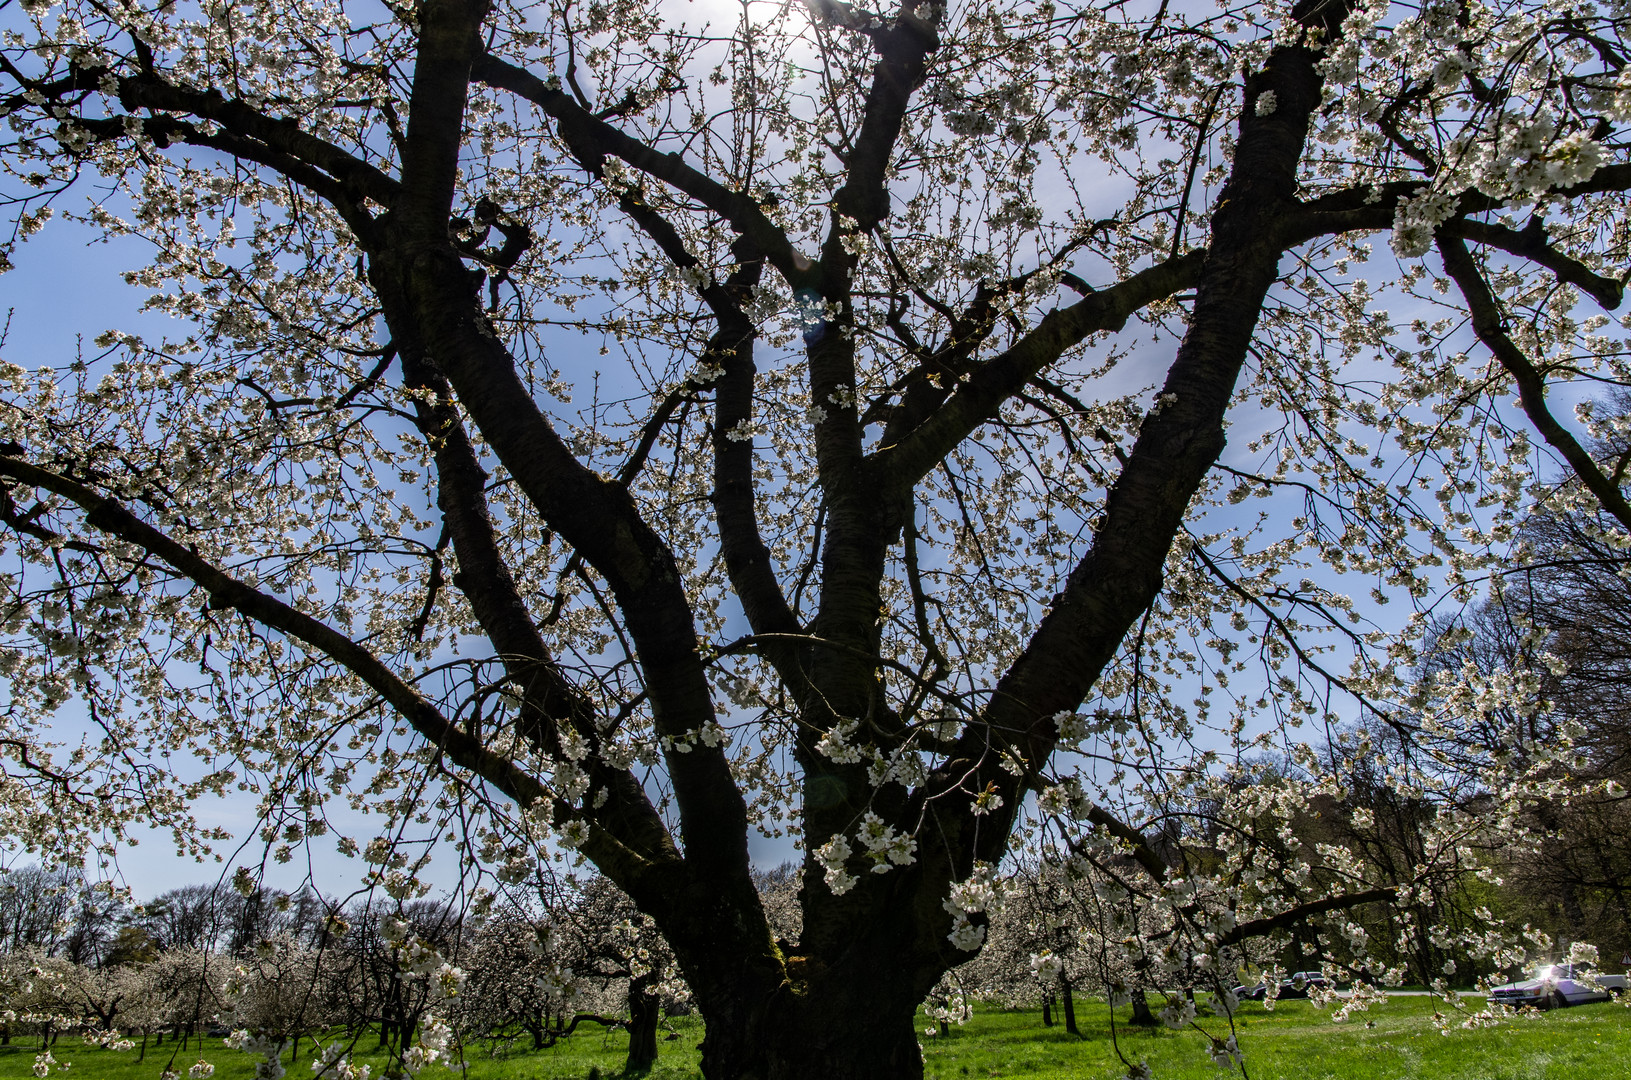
[(1556, 985)]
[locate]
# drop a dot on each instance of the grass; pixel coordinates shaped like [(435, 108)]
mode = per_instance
[(1294, 1042)]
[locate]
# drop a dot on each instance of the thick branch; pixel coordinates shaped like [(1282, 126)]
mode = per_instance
[(592, 139), (1530, 243), (1120, 575), (730, 348), (1137, 846), (1370, 207), (110, 516), (164, 130), (1488, 323), (433, 309), (747, 557), (148, 91), (903, 55), (448, 43), (939, 374), (430, 303), (485, 580), (976, 401), (1302, 912)]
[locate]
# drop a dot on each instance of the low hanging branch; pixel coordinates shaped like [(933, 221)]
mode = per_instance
[(110, 516), (1489, 324)]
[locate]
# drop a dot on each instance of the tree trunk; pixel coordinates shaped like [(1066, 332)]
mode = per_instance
[(1141, 1010), (1069, 1002), (835, 1029), (644, 1012), (1572, 910), (1625, 916), (1047, 1010)]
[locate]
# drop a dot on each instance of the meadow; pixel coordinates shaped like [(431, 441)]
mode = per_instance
[(1394, 1041)]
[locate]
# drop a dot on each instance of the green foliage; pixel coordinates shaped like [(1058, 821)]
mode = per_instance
[(1294, 1042)]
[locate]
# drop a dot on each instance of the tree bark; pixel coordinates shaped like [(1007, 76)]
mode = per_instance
[(1069, 1002), (1047, 1010), (1142, 1016), (826, 1032), (644, 1012)]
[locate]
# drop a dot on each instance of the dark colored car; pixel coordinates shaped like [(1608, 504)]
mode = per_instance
[(1297, 986)]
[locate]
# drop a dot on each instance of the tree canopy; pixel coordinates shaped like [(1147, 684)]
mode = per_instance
[(620, 427)]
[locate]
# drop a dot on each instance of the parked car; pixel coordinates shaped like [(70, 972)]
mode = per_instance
[(1302, 982), (1556, 985), (1296, 986)]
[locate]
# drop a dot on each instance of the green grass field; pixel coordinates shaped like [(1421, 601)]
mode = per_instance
[(1294, 1042)]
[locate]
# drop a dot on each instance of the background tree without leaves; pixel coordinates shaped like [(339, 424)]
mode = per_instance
[(924, 327)]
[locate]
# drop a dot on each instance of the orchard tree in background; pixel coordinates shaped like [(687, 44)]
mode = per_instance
[(606, 943), (386, 969), (506, 960), (621, 429), (1560, 627)]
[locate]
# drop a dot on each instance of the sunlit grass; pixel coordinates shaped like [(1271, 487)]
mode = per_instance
[(1396, 1041), (1294, 1042)]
